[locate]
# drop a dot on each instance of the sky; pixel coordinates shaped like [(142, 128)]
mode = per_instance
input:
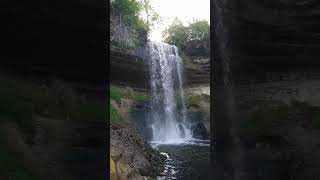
[(185, 10)]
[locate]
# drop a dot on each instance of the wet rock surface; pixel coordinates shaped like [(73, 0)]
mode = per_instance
[(140, 114), (199, 131), (133, 156), (198, 107)]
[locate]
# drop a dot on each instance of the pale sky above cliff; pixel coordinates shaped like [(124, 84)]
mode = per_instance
[(185, 10)]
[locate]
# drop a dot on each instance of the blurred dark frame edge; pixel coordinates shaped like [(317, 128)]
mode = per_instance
[(108, 86), (211, 88)]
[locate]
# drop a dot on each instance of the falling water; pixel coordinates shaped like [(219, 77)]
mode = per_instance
[(168, 121)]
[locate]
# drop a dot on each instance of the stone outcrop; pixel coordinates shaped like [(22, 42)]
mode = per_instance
[(198, 102), (198, 48), (134, 158)]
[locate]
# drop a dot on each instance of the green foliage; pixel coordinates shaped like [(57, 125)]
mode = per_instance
[(182, 36), (140, 97), (130, 9), (194, 99), (116, 93), (176, 34), (134, 30), (198, 30), (114, 116), (11, 167), (139, 32), (152, 15)]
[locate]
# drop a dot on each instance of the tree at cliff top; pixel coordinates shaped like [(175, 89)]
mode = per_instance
[(185, 37), (128, 29)]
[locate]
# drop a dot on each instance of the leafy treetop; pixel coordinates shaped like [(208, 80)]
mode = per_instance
[(182, 36)]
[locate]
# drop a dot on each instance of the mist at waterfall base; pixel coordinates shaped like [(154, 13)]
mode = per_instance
[(167, 125)]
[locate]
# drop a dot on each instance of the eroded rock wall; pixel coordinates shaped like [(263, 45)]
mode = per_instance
[(134, 158), (130, 69), (266, 57)]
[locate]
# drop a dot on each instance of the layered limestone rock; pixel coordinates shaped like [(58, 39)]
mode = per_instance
[(268, 51), (130, 69)]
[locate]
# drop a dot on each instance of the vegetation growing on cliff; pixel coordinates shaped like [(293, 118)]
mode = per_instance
[(118, 93), (114, 115), (187, 36), (128, 28)]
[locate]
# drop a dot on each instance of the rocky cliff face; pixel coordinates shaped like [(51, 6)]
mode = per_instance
[(268, 49), (36, 123), (133, 157), (129, 68), (260, 35), (282, 32), (198, 103), (59, 149)]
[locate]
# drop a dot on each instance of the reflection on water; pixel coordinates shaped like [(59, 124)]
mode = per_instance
[(186, 161)]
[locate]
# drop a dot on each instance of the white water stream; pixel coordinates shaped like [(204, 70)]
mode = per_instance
[(169, 122)]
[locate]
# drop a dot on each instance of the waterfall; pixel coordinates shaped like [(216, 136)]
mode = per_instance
[(168, 121)]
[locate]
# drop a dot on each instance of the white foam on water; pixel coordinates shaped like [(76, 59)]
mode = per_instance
[(168, 169), (181, 141)]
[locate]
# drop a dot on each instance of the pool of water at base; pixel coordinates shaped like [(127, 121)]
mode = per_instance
[(186, 161)]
